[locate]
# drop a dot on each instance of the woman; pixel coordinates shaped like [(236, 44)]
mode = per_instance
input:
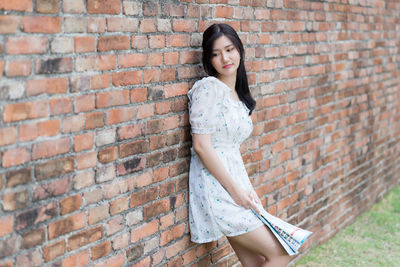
[(220, 193)]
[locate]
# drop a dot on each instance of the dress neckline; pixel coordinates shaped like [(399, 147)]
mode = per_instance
[(230, 90)]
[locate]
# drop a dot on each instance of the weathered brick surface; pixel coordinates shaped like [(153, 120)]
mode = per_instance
[(94, 131)]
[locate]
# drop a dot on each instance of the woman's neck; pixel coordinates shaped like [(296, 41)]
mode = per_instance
[(229, 81)]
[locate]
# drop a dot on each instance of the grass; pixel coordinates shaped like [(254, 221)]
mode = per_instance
[(372, 240)]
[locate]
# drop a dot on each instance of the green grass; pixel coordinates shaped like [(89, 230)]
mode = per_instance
[(372, 240)]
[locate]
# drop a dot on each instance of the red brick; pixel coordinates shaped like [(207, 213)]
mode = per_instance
[(32, 258), (34, 216), (93, 196), (183, 25), (156, 208), (143, 197), (84, 103), (116, 42), (97, 214), (119, 187), (52, 189), (73, 6), (114, 98), (8, 136), (96, 24), (138, 95), (60, 106), (117, 115), (26, 110), (145, 111), (53, 168), (17, 5), (41, 24), (101, 250), (104, 6), (84, 141), (177, 40), (83, 179), (163, 107), (160, 174), (167, 75), (53, 65), (79, 259), (131, 131), (54, 250), (85, 44), (151, 76), (107, 155), (6, 225), (106, 62), (132, 148), (46, 86), (70, 204), (18, 67), (86, 160), (177, 89), (139, 42), (174, 10), (171, 58), (94, 120), (85, 63), (73, 123), (33, 238), (51, 148), (114, 261), (147, 25), (157, 41), (67, 225), (115, 225), (155, 59), (144, 179), (220, 253), (122, 24), (120, 241), (15, 201), (100, 81), (144, 231), (85, 237), (166, 221), (126, 78), (119, 205), (132, 60), (15, 156), (172, 234), (47, 6)]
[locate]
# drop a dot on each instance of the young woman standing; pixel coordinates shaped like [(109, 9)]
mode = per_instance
[(220, 192)]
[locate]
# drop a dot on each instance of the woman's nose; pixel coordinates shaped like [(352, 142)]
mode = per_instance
[(224, 56)]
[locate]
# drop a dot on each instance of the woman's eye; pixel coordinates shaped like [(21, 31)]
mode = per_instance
[(214, 55)]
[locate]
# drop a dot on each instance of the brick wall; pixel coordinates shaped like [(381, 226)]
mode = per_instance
[(94, 137)]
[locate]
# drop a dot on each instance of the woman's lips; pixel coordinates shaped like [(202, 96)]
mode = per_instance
[(227, 66)]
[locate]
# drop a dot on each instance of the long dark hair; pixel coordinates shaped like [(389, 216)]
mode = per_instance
[(242, 86)]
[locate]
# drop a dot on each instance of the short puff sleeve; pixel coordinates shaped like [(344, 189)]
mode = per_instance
[(204, 103)]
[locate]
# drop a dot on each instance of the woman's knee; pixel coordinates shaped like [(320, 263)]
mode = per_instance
[(278, 261)]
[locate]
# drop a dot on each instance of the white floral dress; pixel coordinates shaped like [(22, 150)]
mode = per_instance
[(212, 211)]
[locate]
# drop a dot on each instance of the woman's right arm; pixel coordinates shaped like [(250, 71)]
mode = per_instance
[(203, 148)]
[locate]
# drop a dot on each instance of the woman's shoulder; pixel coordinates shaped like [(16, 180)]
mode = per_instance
[(209, 83)]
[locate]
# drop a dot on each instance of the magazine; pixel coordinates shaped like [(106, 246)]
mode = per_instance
[(290, 236)]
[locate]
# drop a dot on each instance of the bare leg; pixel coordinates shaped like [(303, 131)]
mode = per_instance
[(259, 248)]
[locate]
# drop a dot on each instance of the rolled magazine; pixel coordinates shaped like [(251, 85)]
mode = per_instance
[(290, 236)]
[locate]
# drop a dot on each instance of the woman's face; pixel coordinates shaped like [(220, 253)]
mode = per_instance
[(225, 57)]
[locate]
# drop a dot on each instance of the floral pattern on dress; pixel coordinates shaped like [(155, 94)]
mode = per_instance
[(212, 211)]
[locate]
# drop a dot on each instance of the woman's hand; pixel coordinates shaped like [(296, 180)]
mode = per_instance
[(246, 199)]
